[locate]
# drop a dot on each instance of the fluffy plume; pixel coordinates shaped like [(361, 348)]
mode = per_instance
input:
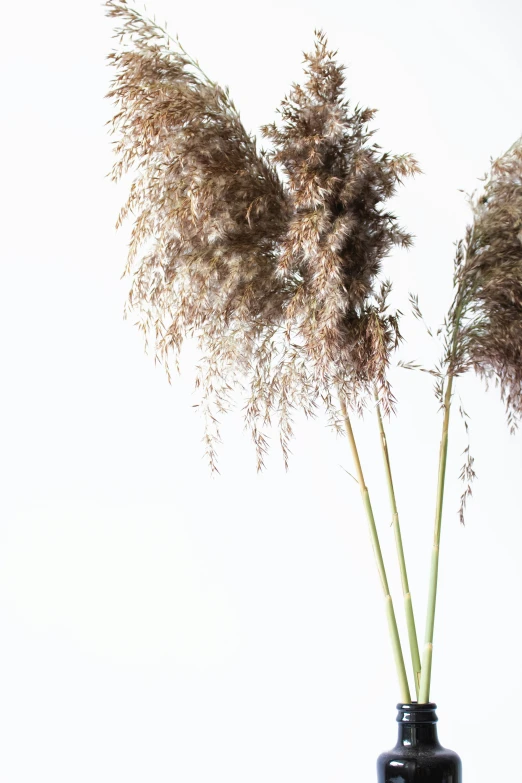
[(269, 260), (339, 231), (484, 327), (207, 206)]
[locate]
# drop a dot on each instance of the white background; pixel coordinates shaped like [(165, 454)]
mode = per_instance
[(161, 625)]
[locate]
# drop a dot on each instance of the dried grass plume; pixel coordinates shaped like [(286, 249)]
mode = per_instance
[(484, 325), (269, 260)]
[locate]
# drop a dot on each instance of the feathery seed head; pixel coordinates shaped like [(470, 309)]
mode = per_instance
[(339, 232), (268, 260), (485, 320)]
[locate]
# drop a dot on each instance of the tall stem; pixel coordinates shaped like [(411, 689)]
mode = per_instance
[(408, 606), (424, 691), (427, 656), (392, 623)]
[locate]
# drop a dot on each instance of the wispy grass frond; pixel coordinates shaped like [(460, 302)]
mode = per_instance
[(340, 231), (483, 329), (484, 325), (270, 261), (208, 212)]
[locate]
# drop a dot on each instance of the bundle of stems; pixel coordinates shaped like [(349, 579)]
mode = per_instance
[(271, 261)]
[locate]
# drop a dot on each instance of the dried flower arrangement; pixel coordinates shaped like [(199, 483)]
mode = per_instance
[(271, 261)]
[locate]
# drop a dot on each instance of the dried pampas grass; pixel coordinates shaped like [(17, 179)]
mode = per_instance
[(270, 261), (485, 319)]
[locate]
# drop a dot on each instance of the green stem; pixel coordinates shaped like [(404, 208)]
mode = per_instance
[(390, 614), (408, 606), (424, 691)]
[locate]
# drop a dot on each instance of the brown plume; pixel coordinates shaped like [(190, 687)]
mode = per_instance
[(268, 260), (484, 327)]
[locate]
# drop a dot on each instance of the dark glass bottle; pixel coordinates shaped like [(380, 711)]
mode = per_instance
[(418, 757)]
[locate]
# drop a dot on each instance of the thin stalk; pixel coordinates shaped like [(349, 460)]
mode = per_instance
[(408, 606), (427, 656), (424, 691), (390, 614)]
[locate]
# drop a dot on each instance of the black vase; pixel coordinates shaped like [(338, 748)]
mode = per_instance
[(418, 757)]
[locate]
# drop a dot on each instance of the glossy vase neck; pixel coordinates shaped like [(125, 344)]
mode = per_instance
[(417, 725), (418, 757)]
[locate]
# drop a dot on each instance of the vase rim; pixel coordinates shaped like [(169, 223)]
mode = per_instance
[(417, 713), (414, 705)]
